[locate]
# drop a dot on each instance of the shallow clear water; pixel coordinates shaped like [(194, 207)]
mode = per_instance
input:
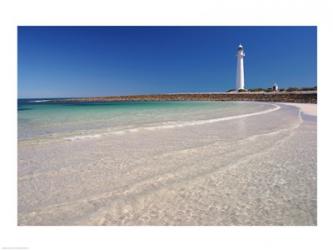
[(166, 163), (42, 119)]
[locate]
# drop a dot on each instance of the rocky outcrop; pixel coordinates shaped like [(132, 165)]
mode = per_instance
[(298, 97)]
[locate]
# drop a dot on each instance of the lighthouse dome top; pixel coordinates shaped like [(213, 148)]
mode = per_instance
[(240, 47)]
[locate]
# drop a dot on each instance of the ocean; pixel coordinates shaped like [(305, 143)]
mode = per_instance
[(39, 119)]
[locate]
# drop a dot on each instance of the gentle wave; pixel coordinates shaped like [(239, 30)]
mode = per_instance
[(82, 137), (40, 101), (171, 125)]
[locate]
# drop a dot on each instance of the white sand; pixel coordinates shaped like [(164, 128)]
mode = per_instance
[(306, 108), (255, 170)]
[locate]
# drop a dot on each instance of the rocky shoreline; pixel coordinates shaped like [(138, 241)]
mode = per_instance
[(293, 97)]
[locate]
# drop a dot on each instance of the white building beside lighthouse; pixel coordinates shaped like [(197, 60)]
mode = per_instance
[(275, 87), (240, 68)]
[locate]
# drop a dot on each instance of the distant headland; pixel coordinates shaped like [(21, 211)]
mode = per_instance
[(306, 95)]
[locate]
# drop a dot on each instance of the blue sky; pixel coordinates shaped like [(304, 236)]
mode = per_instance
[(100, 61)]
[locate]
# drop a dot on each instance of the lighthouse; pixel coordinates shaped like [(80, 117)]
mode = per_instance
[(240, 68)]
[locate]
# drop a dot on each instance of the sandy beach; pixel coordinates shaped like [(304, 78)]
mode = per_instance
[(306, 108), (253, 168)]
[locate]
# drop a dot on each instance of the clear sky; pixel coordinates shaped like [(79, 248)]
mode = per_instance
[(100, 61)]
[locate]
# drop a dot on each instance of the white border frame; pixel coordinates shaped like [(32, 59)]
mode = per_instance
[(148, 12)]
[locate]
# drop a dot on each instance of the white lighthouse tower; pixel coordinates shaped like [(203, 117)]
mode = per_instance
[(240, 68)]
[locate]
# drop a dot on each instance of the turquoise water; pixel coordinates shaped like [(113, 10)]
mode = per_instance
[(42, 119)]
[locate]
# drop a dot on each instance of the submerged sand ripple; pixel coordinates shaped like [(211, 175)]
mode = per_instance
[(258, 170)]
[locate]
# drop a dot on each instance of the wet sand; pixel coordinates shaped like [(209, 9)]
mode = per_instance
[(251, 170), (307, 108)]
